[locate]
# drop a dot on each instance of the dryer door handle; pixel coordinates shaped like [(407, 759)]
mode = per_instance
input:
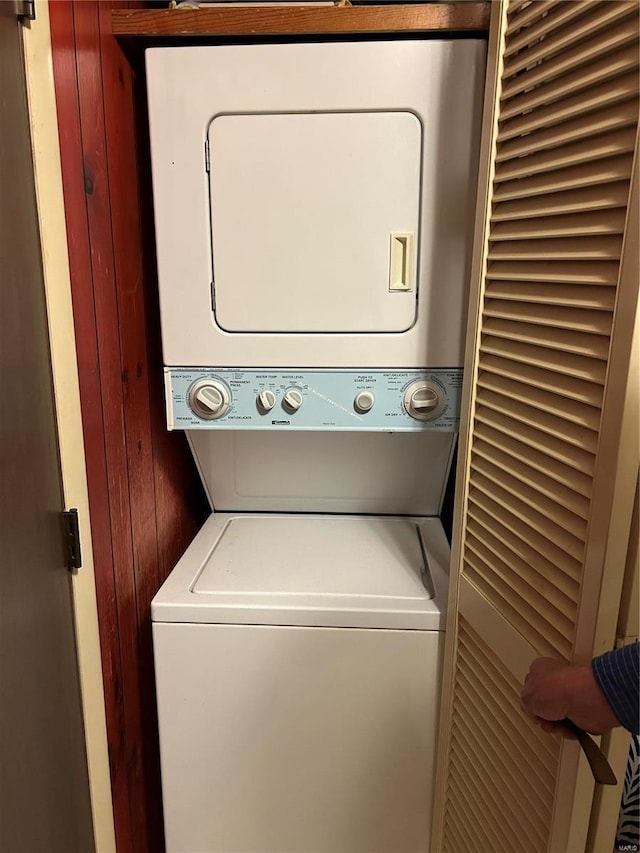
[(401, 261)]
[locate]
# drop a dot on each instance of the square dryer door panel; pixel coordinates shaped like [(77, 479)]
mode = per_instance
[(315, 221)]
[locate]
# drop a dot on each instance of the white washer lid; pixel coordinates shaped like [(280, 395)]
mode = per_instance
[(313, 570)]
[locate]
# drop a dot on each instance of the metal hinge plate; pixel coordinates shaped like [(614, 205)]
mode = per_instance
[(71, 530), (26, 10)]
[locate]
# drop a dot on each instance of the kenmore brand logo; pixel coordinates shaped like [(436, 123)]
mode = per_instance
[(280, 423)]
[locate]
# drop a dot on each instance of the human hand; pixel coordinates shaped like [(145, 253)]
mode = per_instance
[(553, 690)]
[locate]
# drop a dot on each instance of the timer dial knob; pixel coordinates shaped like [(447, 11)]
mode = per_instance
[(266, 401), (209, 399), (423, 401), (292, 400)]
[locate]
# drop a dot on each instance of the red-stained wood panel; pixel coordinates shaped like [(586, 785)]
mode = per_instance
[(131, 378), (146, 502)]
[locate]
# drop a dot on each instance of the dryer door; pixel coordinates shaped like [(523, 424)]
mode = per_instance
[(314, 220)]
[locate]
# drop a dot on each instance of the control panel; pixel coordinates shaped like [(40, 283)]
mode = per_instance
[(367, 400)]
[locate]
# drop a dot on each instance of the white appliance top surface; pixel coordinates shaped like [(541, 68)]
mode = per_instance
[(320, 556), (313, 570)]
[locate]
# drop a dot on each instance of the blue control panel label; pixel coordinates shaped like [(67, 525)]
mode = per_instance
[(366, 400)]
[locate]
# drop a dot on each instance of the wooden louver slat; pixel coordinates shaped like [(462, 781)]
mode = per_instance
[(552, 575), (573, 507), (539, 377), (598, 16), (546, 398), (583, 224), (543, 441), (579, 57), (520, 612), (543, 336), (483, 815), (535, 516), (583, 127), (565, 427), (485, 812), (574, 366), (560, 316), (604, 171), (550, 603), (521, 817), (560, 271), (601, 198), (583, 151), (457, 838), (604, 68), (552, 468), (577, 248), (506, 572), (483, 503), (473, 688), (597, 298), (556, 16), (523, 12), (559, 118), (523, 407), (527, 492)]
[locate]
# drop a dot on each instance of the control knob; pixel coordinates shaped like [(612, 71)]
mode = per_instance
[(209, 399), (266, 401), (292, 400), (423, 401)]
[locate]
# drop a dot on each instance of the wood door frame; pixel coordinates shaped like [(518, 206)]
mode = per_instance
[(48, 179), (145, 499), (46, 799)]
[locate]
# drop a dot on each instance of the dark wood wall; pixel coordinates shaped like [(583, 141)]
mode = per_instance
[(145, 498)]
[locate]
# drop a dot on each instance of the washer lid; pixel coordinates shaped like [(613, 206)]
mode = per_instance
[(328, 555), (340, 571)]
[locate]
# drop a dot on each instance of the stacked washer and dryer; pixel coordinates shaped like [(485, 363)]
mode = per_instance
[(313, 209)]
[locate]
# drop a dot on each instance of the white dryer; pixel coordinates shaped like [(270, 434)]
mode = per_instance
[(314, 206)]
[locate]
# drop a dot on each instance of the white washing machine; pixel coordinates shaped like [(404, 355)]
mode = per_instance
[(297, 669), (314, 207)]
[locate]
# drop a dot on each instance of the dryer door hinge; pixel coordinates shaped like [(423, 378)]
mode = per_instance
[(213, 296), (207, 160), (71, 533), (25, 10)]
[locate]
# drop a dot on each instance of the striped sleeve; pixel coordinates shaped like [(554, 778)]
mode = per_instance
[(618, 674)]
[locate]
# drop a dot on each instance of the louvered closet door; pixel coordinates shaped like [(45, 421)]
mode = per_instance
[(546, 473)]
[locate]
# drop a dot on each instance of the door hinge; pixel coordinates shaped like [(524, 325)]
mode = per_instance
[(207, 159), (213, 296), (71, 530), (26, 10)]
